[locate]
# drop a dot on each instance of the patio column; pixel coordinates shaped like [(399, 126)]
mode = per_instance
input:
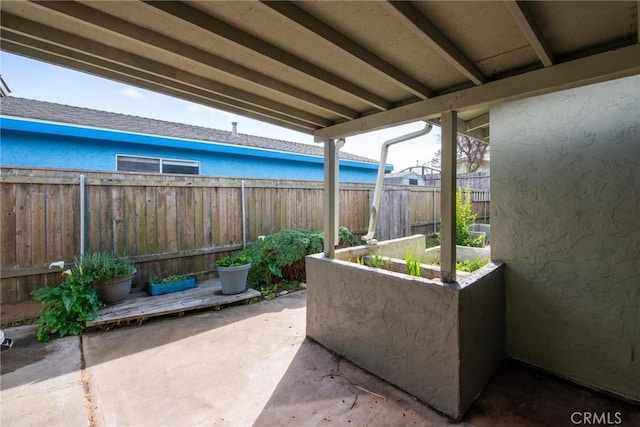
[(448, 197), (331, 179)]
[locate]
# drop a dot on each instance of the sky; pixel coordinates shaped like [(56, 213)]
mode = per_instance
[(32, 79)]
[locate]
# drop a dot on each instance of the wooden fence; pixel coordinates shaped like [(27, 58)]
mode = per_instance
[(475, 180), (173, 224)]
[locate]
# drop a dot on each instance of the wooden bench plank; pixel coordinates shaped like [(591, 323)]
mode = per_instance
[(205, 295)]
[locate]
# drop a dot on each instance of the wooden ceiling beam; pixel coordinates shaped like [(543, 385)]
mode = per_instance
[(477, 122), (609, 65), (528, 26), (313, 25), (215, 26), (430, 34)]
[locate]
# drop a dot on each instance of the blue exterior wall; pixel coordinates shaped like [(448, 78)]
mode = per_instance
[(29, 143)]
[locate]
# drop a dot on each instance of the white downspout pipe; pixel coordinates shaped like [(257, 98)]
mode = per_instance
[(377, 194)]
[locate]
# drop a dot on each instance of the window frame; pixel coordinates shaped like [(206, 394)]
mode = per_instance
[(161, 161)]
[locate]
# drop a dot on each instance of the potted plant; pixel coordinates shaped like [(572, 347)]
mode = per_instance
[(233, 272), (112, 275), (173, 283)]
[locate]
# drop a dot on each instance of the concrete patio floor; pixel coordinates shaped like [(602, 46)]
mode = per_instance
[(247, 365)]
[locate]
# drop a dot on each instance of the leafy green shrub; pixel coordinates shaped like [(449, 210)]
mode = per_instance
[(345, 238), (68, 306), (281, 254), (465, 220)]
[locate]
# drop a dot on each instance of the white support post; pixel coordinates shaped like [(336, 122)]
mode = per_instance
[(448, 197), (331, 170)]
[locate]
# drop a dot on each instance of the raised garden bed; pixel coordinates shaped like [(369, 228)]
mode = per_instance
[(441, 342)]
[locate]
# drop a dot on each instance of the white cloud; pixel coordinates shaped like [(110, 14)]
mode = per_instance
[(131, 93), (195, 108)]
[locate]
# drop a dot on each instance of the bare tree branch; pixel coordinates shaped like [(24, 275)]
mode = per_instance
[(470, 153)]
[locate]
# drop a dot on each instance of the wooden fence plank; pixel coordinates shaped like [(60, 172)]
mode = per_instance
[(70, 205), (172, 219), (141, 218), (118, 220), (23, 225), (39, 235), (8, 233), (223, 215), (106, 219), (129, 203), (54, 212), (198, 262), (215, 217), (161, 217), (8, 216)]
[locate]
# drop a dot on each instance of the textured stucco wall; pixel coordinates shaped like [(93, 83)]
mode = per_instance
[(565, 219)]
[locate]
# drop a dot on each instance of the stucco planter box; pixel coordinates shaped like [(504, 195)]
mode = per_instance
[(440, 342)]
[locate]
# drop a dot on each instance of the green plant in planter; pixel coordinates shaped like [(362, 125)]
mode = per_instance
[(68, 306), (169, 279), (471, 265), (376, 260), (234, 261), (112, 275), (413, 264), (106, 265)]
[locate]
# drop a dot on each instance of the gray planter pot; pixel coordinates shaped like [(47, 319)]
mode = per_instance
[(113, 290), (234, 279)]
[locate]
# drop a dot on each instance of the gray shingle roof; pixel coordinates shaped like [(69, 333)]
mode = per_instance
[(58, 113)]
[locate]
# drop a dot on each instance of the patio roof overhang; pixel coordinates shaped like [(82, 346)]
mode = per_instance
[(337, 69)]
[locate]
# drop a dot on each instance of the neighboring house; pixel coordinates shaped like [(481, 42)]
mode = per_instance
[(430, 177), (47, 135), (404, 178)]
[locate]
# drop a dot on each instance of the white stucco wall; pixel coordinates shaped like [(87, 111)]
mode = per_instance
[(565, 218)]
